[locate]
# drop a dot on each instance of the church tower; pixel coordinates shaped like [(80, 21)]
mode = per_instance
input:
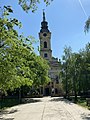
[(53, 87), (45, 40)]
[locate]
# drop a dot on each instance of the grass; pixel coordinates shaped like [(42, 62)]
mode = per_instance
[(81, 101)]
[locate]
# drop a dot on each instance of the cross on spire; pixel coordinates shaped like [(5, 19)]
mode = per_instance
[(43, 15)]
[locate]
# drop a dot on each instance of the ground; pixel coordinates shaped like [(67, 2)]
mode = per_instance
[(47, 108)]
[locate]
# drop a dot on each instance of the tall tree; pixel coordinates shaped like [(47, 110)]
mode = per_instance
[(86, 68), (87, 25), (18, 63), (75, 72), (65, 69)]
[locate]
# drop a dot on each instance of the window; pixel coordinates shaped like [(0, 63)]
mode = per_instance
[(44, 34), (45, 55), (45, 44)]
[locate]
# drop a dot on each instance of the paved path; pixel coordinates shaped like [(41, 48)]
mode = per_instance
[(47, 108)]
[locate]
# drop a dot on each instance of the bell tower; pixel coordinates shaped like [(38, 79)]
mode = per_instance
[(53, 87), (45, 40)]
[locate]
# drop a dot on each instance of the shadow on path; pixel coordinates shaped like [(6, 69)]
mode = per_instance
[(85, 116), (13, 110), (6, 112), (30, 100), (6, 118), (57, 99), (61, 99)]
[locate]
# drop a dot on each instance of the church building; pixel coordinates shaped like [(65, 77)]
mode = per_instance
[(52, 88)]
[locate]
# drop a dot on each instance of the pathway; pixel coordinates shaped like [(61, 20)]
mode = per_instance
[(47, 108)]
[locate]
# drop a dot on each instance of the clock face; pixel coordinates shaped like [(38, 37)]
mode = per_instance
[(44, 34)]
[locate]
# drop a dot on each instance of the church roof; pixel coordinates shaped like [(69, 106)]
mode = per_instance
[(44, 24)]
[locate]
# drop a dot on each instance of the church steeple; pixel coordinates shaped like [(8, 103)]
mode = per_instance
[(45, 40), (43, 15), (44, 24)]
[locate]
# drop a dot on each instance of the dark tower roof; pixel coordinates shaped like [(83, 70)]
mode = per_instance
[(44, 24)]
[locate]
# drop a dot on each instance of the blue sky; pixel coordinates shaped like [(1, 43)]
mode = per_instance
[(66, 20)]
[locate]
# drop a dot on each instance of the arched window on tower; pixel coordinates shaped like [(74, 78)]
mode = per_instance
[(45, 55), (45, 44)]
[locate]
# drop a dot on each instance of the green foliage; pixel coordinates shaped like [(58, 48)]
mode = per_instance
[(65, 73), (75, 72), (19, 65), (31, 4), (87, 25)]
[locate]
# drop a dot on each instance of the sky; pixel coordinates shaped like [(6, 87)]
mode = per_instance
[(66, 20)]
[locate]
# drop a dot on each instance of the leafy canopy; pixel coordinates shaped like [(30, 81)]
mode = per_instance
[(31, 4), (19, 65)]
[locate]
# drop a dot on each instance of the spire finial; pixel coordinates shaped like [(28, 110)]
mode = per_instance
[(43, 15)]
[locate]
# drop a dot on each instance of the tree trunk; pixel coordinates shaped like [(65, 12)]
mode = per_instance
[(19, 95)]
